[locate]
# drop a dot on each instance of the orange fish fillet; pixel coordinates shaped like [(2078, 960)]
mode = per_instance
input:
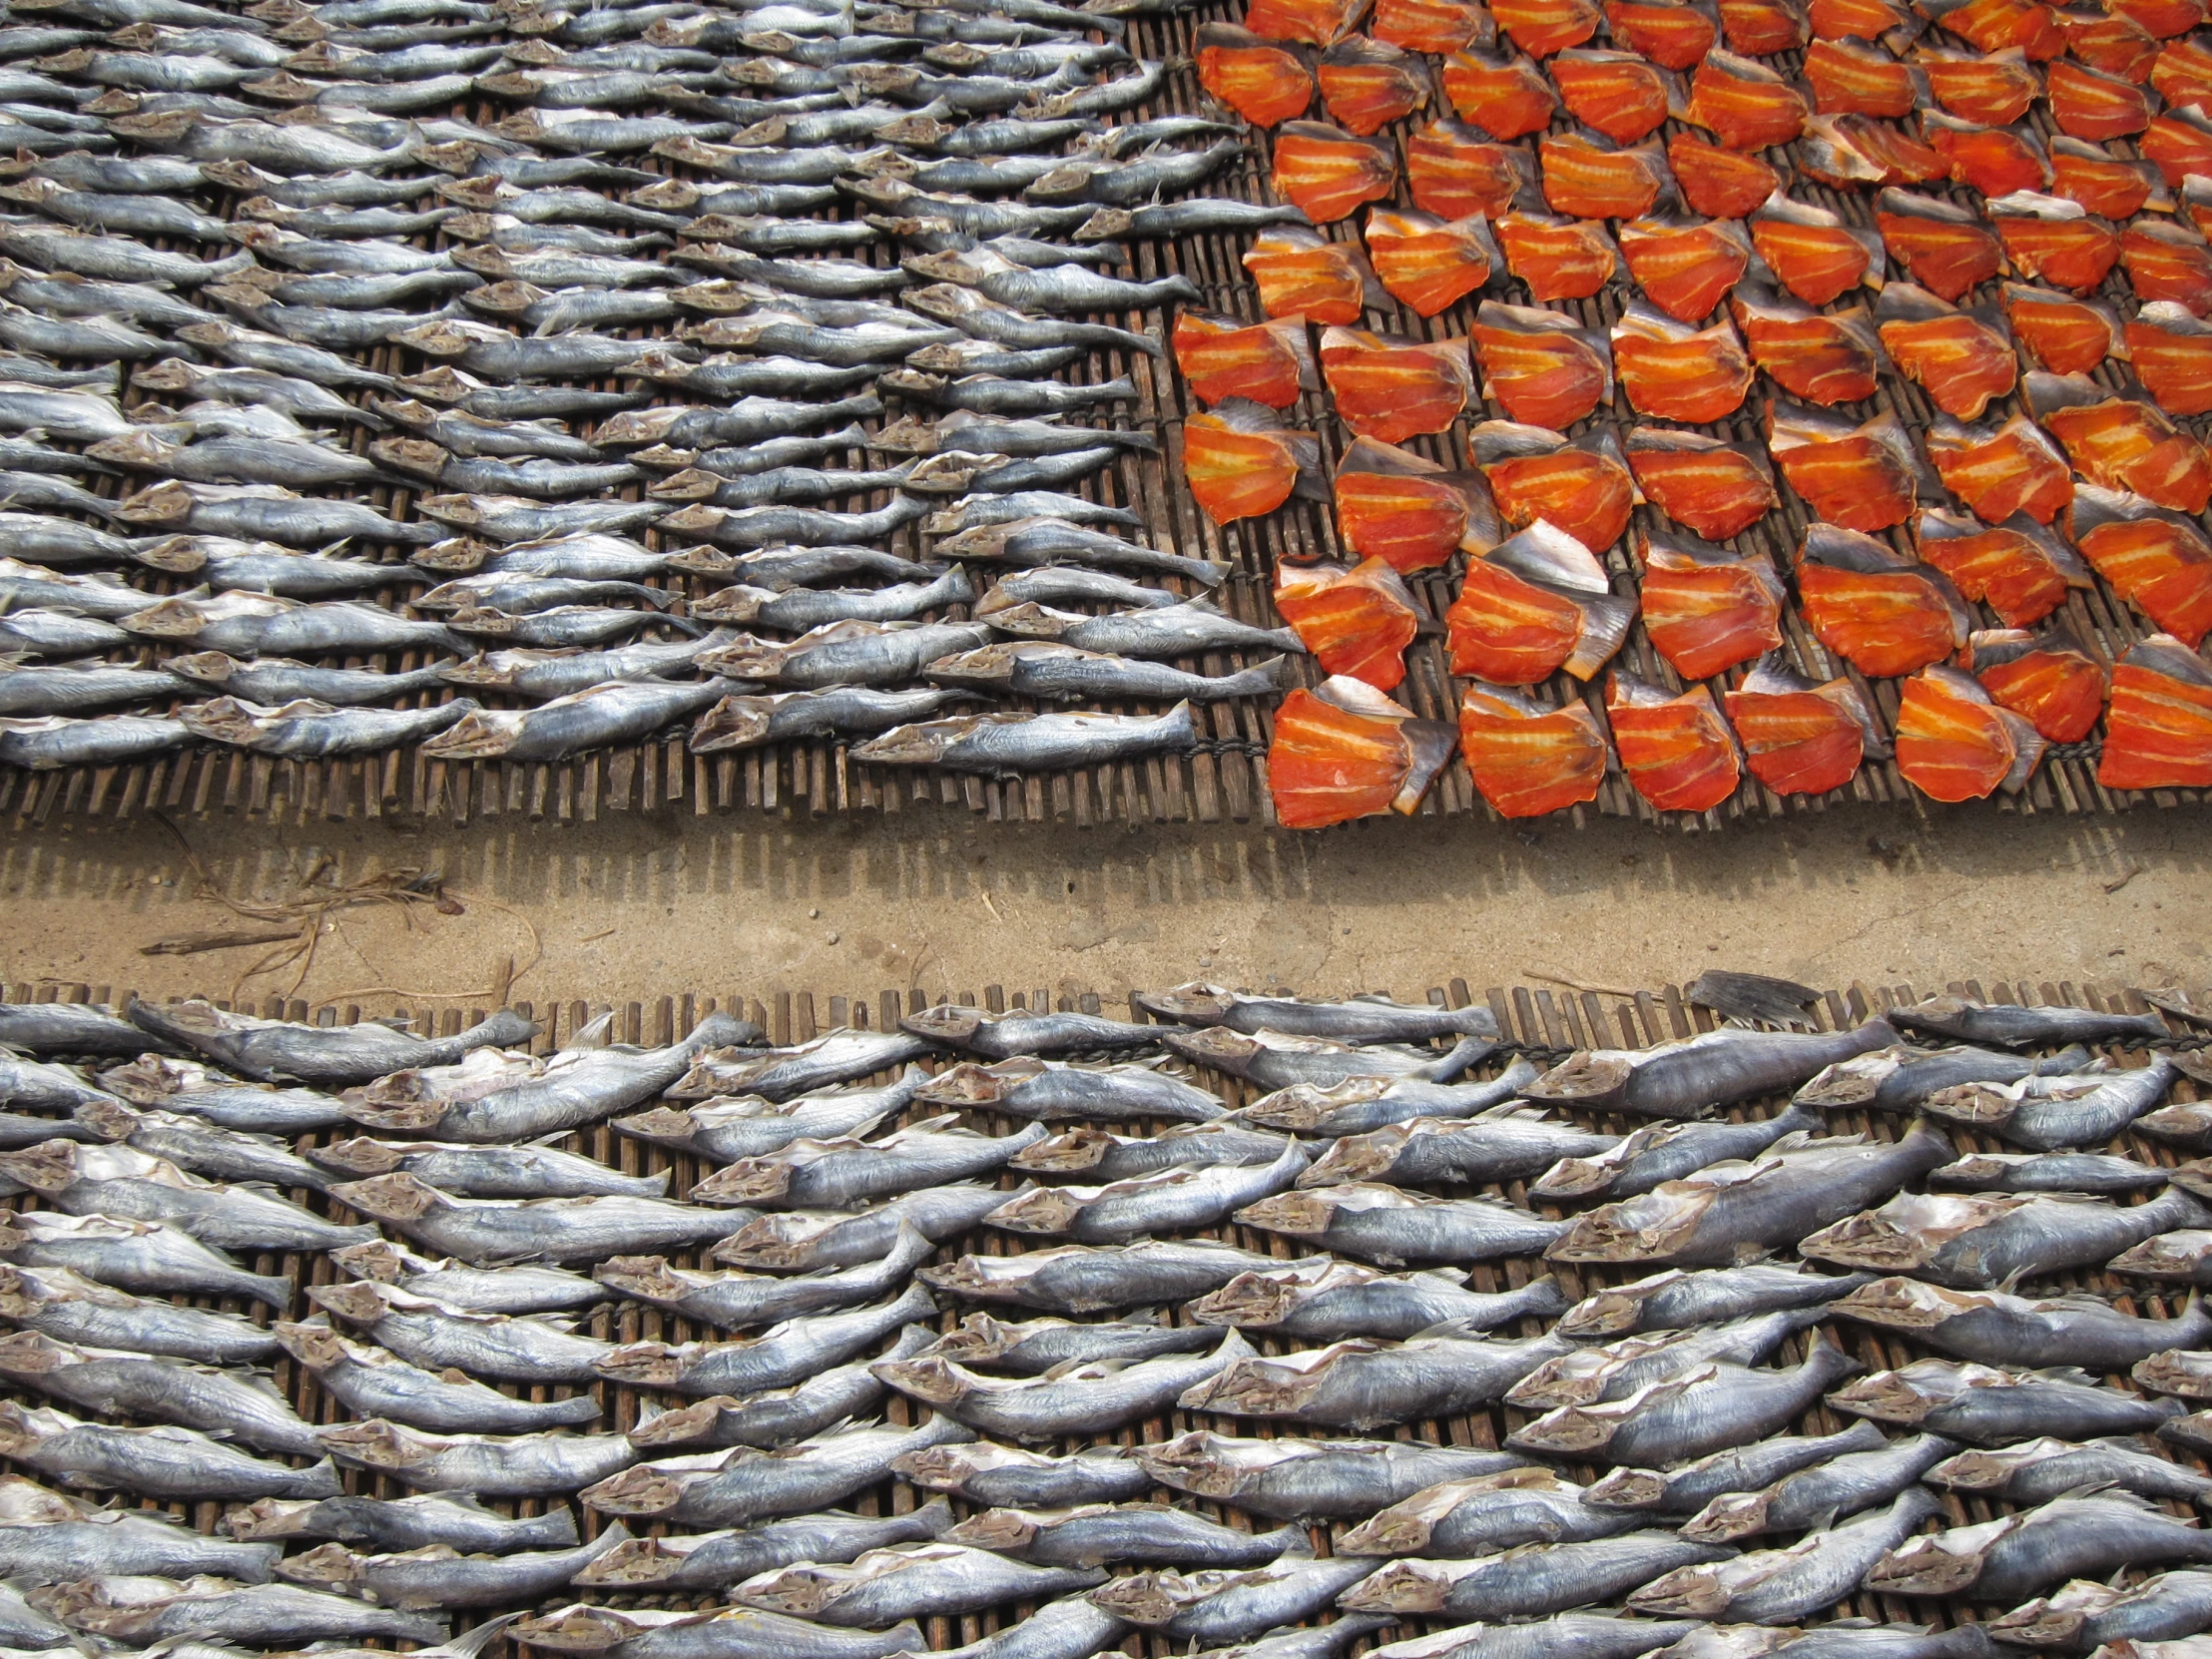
[(1544, 368), (1860, 478), (1357, 620), (1581, 486), (2045, 679), (1993, 25), (1507, 98), (1453, 172), (1347, 752), (1847, 77), (2020, 568), (1685, 266), (1962, 358), (1851, 150), (1716, 489), (2156, 560), (1317, 22), (2067, 335), (2121, 442), (1534, 604), (1586, 176), (2073, 254), (1528, 759), (1542, 27), (1241, 462), (1302, 274), (1761, 28), (2165, 261), (2182, 73), (1614, 93), (2158, 734), (2090, 105), (1883, 613), (2117, 45), (1745, 105), (1263, 82), (1392, 388), (1559, 258), (1367, 85), (1427, 264), (1955, 744), (1438, 26), (1705, 608), (2107, 188), (1409, 512), (2172, 352), (1671, 34), (1268, 364), (1812, 252), (1717, 181), (1942, 245), (1800, 737), (1998, 470), (1996, 161), (1676, 752), (1677, 373), (1824, 357), (1991, 89), (1326, 173), (2163, 18), (2180, 141), (1856, 19)]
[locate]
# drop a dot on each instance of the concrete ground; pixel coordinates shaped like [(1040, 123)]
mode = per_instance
[(634, 907)]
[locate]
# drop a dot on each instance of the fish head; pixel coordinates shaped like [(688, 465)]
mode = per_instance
[(376, 1444), (364, 1302), (1981, 1105), (696, 1424), (633, 1563), (578, 1629), (747, 1181), (648, 1365), (1947, 1563), (1649, 1227), (378, 1260), (264, 1519), (737, 722), (47, 1167), (1152, 1598), (933, 1380), (313, 1342), (329, 1568), (2168, 1256), (979, 1339), (1005, 1531), (1906, 1305), (972, 1084), (395, 1196), (648, 1278), (1050, 1210)]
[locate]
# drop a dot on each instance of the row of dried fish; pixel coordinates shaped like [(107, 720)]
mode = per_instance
[(921, 122), (1677, 1402)]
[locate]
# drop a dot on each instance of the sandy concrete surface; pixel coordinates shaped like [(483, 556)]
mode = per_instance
[(638, 906)]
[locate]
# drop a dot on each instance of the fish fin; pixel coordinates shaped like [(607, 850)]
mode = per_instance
[(473, 1641)]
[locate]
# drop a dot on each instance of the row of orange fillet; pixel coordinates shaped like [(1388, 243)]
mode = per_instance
[(1538, 601), (1348, 750)]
